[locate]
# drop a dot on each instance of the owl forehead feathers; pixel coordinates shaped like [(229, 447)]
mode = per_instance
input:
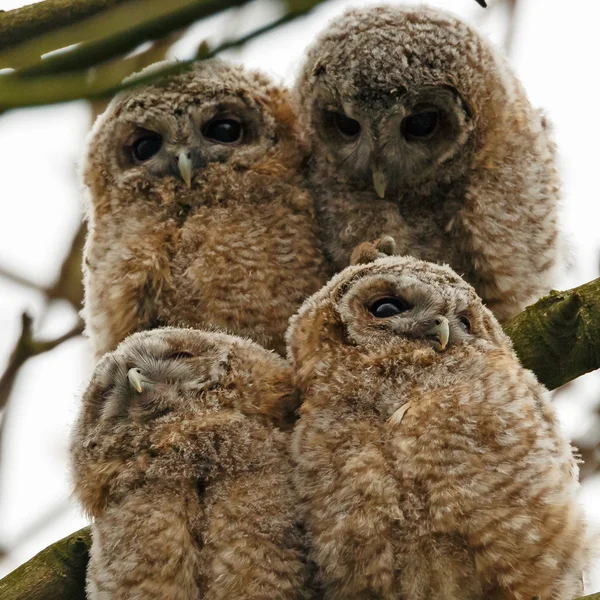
[(387, 50)]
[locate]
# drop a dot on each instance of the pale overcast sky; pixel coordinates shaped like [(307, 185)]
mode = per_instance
[(556, 54)]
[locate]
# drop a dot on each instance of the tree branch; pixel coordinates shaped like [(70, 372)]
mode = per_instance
[(56, 572), (27, 347), (558, 337), (32, 20), (59, 572), (107, 79)]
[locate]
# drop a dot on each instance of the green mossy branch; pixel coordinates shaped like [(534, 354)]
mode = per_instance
[(558, 337), (33, 20), (58, 572)]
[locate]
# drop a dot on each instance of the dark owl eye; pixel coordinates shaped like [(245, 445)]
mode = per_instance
[(388, 307), (464, 323), (420, 124), (348, 127), (146, 147), (224, 131)]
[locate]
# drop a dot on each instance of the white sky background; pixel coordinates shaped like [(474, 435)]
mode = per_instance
[(556, 54)]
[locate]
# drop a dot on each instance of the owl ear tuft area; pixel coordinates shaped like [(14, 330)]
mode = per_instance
[(368, 252)]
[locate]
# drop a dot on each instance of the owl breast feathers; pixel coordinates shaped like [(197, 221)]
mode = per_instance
[(180, 453), (429, 462), (419, 129), (196, 211)]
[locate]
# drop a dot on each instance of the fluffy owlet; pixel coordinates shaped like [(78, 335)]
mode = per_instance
[(419, 129), (430, 464), (196, 212), (179, 456)]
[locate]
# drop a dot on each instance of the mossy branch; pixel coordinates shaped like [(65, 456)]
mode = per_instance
[(558, 337), (56, 572), (29, 21)]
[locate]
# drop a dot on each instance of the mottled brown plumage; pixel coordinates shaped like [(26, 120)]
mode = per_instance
[(189, 479), (419, 129), (237, 249), (430, 464)]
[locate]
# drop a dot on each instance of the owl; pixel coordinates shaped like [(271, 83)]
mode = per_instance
[(419, 129), (430, 464), (180, 454), (197, 212)]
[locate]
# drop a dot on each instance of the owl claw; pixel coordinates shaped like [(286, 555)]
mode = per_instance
[(137, 380)]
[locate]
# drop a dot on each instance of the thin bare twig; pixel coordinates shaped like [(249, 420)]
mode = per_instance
[(26, 348)]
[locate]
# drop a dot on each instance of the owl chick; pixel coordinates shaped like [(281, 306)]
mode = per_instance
[(419, 129), (180, 455), (430, 464), (196, 210)]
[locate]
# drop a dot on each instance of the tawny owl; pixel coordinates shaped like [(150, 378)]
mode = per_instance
[(419, 129), (180, 453), (196, 210), (430, 464)]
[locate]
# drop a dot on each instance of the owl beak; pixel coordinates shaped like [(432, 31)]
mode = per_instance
[(380, 182), (138, 380), (184, 163), (439, 333)]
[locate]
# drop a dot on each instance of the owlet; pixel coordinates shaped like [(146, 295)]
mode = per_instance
[(419, 129), (197, 216), (430, 464), (180, 454)]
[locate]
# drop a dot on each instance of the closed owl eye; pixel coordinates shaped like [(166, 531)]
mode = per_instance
[(420, 125), (389, 306), (179, 356)]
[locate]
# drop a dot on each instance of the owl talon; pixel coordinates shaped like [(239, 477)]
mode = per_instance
[(138, 380)]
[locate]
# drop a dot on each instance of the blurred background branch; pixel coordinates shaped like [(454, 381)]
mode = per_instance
[(90, 69)]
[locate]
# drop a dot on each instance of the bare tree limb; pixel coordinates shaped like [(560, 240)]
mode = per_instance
[(27, 347), (558, 337)]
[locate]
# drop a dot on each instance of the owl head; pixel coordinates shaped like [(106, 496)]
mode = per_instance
[(397, 305), (160, 139), (165, 373), (394, 99)]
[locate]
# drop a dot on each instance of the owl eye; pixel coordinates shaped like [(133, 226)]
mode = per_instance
[(464, 322), (388, 307), (224, 131), (420, 125), (146, 147), (348, 127)]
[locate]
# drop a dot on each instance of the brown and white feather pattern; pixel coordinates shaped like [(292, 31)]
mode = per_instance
[(438, 115), (239, 249), (189, 481), (426, 473)]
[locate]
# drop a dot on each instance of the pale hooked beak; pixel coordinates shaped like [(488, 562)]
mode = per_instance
[(379, 182), (439, 332), (138, 380), (185, 167)]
